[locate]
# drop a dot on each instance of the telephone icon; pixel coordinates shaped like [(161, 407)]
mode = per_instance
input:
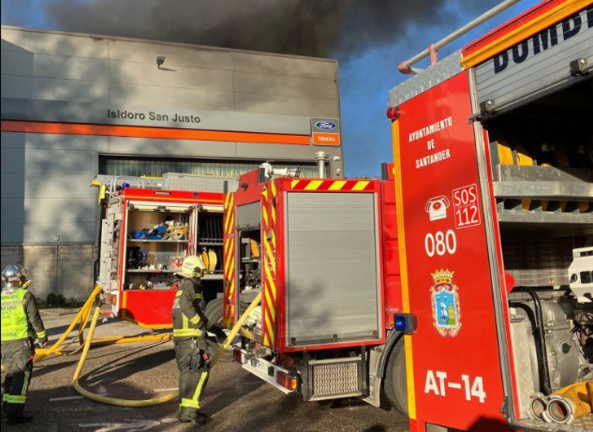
[(437, 208)]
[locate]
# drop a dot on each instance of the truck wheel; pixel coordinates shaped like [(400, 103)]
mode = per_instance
[(215, 313), (396, 386)]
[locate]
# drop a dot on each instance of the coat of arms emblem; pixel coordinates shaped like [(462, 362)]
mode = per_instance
[(446, 310)]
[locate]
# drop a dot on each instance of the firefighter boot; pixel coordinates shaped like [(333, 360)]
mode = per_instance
[(192, 416), (187, 415), (202, 418), (18, 419)]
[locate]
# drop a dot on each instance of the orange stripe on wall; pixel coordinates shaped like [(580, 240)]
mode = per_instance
[(147, 132)]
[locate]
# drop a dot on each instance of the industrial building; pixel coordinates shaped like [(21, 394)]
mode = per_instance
[(75, 106)]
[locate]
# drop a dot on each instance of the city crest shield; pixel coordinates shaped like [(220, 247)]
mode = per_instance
[(446, 309)]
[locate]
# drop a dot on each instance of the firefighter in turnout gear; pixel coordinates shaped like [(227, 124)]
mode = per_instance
[(190, 325), (21, 324)]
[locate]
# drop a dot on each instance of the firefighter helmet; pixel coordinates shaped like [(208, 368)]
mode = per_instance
[(14, 274), (193, 267)]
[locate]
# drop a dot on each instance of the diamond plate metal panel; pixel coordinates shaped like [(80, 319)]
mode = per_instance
[(521, 336), (584, 424), (208, 184)]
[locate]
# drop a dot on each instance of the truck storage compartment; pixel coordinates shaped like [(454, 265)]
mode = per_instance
[(542, 156), (332, 280), (157, 240)]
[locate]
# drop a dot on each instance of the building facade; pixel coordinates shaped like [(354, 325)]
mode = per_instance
[(76, 106)]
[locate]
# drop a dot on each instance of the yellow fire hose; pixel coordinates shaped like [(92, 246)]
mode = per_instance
[(150, 402), (103, 399), (235, 330), (83, 317)]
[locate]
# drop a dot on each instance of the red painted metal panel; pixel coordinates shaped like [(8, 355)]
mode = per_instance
[(392, 278), (148, 309), (173, 196), (455, 352)]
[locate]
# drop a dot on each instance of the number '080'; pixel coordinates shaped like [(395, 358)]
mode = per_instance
[(440, 243)]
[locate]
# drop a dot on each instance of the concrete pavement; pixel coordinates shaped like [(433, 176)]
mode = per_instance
[(235, 400)]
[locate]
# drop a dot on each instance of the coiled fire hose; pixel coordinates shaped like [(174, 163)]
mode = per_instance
[(149, 402), (176, 233), (82, 318)]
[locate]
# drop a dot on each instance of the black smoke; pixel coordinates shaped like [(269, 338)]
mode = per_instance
[(321, 28)]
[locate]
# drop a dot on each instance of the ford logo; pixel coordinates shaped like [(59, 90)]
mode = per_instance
[(325, 125)]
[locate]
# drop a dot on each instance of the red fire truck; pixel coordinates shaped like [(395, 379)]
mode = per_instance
[(147, 232), (324, 254), (486, 213)]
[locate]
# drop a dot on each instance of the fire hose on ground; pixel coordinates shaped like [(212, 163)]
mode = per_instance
[(85, 345)]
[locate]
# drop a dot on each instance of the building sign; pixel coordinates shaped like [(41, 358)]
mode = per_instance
[(156, 117), (326, 132), (153, 116)]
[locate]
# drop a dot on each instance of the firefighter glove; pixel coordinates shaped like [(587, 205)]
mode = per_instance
[(218, 330)]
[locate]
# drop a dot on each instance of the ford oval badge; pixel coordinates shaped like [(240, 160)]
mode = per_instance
[(325, 125)]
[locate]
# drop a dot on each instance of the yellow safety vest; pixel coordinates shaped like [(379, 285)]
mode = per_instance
[(15, 324)]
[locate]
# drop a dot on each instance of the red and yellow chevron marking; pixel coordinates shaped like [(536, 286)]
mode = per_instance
[(332, 185), (273, 206), (269, 261), (229, 262), (270, 289)]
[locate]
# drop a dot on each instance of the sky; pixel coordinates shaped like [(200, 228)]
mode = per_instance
[(365, 76)]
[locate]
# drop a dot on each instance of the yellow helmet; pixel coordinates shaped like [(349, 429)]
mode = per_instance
[(193, 267)]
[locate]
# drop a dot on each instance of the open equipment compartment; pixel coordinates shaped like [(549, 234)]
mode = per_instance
[(146, 236), (543, 185), (542, 167), (153, 253)]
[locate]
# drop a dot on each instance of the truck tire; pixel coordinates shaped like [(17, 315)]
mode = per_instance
[(396, 386), (215, 313), (215, 310)]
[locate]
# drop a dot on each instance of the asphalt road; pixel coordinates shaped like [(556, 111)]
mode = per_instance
[(235, 400)]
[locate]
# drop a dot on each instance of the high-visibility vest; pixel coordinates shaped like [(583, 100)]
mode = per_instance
[(15, 324)]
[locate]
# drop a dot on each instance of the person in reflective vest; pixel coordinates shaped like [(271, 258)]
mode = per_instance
[(21, 324), (190, 325)]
